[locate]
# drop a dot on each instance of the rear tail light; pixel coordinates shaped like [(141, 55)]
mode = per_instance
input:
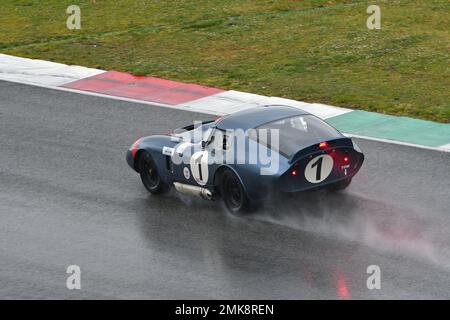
[(323, 145), (294, 173), (346, 159)]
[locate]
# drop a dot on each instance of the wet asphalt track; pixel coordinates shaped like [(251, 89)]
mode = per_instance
[(68, 197)]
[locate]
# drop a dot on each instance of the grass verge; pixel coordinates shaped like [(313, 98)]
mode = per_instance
[(311, 50)]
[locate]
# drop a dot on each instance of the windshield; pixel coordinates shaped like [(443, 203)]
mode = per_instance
[(294, 133), (195, 133)]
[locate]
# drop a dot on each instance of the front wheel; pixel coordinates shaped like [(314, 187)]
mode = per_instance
[(233, 194), (340, 185), (150, 176)]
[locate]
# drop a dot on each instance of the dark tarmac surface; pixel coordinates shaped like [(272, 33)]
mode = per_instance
[(68, 197)]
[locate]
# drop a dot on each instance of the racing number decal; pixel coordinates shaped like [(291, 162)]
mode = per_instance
[(199, 167), (319, 168), (318, 164)]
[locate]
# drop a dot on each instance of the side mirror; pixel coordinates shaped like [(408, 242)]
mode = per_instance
[(203, 144)]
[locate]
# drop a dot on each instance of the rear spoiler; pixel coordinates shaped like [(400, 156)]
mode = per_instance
[(330, 144)]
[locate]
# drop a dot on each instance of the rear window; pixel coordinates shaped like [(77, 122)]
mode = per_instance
[(295, 133)]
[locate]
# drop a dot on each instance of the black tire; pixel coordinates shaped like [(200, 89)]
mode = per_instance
[(233, 193), (340, 185), (149, 175)]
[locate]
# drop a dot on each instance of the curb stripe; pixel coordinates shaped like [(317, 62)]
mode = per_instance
[(34, 72), (160, 105), (196, 98), (143, 88), (408, 130), (396, 142), (232, 101)]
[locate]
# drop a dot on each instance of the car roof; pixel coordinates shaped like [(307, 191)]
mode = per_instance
[(255, 117)]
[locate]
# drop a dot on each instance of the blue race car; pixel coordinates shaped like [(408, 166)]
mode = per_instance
[(242, 157)]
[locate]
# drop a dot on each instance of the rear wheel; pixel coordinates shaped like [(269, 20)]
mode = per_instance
[(150, 176), (340, 185), (232, 193)]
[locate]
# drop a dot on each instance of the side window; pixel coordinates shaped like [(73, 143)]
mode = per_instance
[(227, 141), (219, 140), (207, 135)]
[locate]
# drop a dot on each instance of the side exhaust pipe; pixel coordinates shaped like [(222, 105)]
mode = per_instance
[(193, 190)]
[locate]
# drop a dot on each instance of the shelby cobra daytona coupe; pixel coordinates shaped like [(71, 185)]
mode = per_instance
[(242, 157)]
